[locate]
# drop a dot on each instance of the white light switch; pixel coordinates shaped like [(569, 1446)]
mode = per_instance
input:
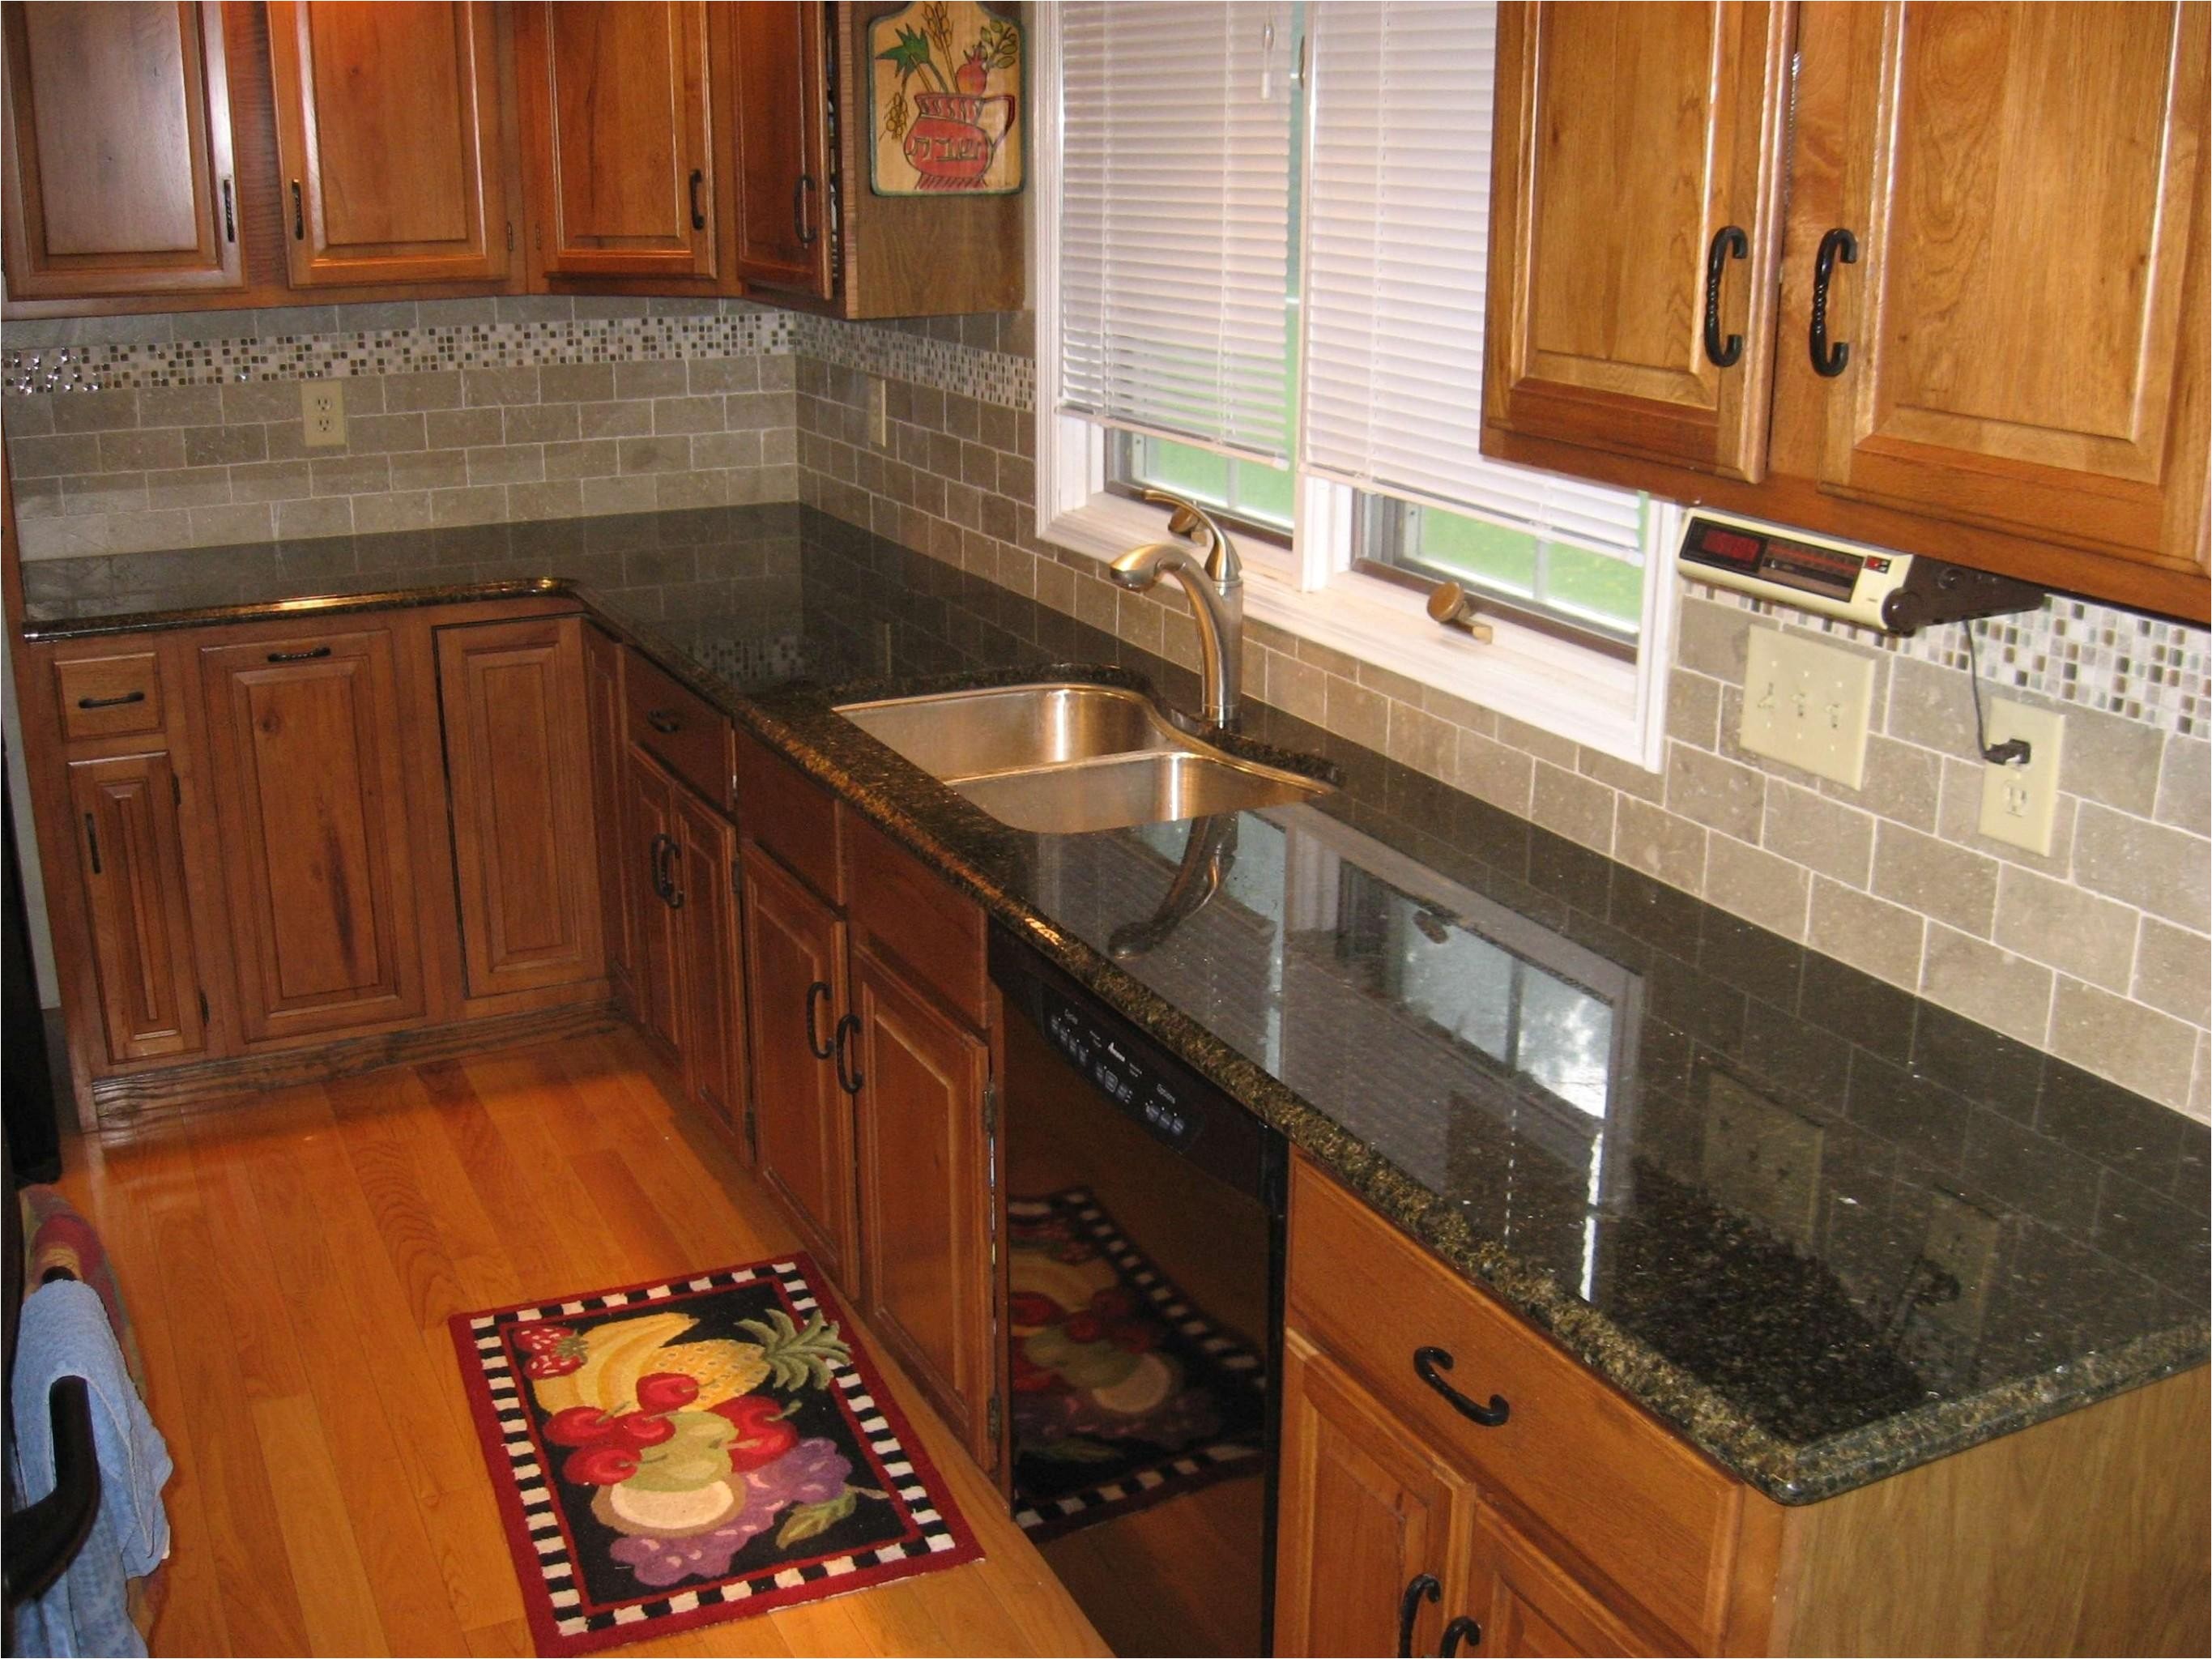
[(1809, 704), (2019, 800)]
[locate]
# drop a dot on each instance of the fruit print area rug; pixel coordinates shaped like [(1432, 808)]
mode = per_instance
[(1124, 1393), (674, 1455)]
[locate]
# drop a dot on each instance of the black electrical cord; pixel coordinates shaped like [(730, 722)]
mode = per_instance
[(2011, 750)]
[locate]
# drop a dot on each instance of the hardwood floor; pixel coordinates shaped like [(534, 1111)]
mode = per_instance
[(291, 1263)]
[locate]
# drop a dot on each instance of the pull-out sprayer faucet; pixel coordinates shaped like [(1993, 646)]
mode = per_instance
[(1217, 596)]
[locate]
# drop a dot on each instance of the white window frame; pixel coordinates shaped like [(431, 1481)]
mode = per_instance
[(1589, 696)]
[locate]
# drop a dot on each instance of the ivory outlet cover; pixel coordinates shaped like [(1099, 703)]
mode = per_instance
[(2021, 800)]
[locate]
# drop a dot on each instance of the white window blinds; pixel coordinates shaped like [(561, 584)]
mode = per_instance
[(1397, 220), (1174, 223)]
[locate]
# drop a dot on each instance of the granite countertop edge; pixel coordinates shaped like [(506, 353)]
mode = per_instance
[(798, 722)]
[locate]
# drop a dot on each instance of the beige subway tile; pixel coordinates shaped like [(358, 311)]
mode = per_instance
[(1467, 716), (1987, 984), (1713, 639), (2200, 1084), (1948, 883), (38, 498), (245, 401), (2164, 871), (73, 538), (1572, 805), (593, 458), (720, 374), (271, 480), (1535, 740), (1874, 936), (1491, 771), (1328, 660), (63, 455), (1398, 687), (1902, 782), (2107, 758), (2077, 932), (2184, 786), (464, 429), (325, 515), (221, 526), (577, 383), (1142, 620), (142, 450), (221, 445), (1822, 834), (352, 475), (1294, 685), (438, 390), (2138, 1047), (180, 405), (625, 495), (1756, 886), (675, 490), (503, 464), (687, 414), (370, 434), (1421, 741), (656, 455), (1356, 713), (430, 469), (95, 494), (483, 504), (725, 450), (2174, 972), (396, 509), (482, 388), (1693, 708), (191, 486), (1625, 777), (1932, 706), (96, 412), (25, 414), (1653, 840), (1714, 792), (649, 380)]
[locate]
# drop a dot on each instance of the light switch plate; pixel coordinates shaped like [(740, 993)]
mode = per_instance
[(2019, 801), (880, 417), (322, 408), (1809, 704)]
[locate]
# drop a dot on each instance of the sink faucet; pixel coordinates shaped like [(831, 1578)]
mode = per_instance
[(1217, 596)]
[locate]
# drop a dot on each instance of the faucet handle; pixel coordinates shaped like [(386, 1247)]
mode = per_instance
[(1222, 565)]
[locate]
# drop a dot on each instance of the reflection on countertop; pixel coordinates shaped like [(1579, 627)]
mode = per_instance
[(1827, 1229)]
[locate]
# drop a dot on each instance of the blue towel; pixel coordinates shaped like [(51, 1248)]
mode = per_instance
[(65, 1333)]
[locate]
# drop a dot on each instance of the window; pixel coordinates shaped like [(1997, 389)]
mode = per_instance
[(1298, 340)]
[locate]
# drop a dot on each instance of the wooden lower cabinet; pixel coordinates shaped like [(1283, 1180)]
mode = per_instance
[(132, 858), (1521, 1600), (802, 1116), (704, 867), (602, 722), (648, 817), (924, 1177), (517, 766), (310, 799)]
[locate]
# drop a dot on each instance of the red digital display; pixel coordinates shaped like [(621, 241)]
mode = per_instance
[(1732, 544)]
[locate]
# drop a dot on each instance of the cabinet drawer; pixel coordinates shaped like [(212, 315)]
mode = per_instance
[(679, 729), (1614, 1485), (904, 909), (112, 697), (794, 817)]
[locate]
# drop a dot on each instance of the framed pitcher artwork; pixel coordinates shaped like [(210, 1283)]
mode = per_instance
[(945, 98)]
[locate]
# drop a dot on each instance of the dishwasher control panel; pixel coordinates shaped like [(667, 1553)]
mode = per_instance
[(1111, 1062)]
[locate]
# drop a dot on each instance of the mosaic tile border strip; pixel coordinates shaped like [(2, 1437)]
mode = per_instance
[(2093, 656), (992, 377)]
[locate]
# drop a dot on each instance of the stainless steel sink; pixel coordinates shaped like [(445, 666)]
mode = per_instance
[(1062, 757)]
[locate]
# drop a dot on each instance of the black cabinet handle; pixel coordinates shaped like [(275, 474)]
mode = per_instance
[(111, 702), (848, 1077), (1422, 1586), (92, 842), (1428, 1363), (1461, 1629), (698, 214), (298, 218), (320, 651), (1729, 243), (1829, 359), (800, 190), (663, 722), (657, 861), (230, 215), (814, 1045)]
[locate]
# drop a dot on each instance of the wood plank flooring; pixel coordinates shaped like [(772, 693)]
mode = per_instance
[(291, 1262)]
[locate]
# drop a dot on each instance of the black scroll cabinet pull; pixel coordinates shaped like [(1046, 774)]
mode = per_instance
[(800, 222), (848, 1073), (1729, 243), (1461, 1629), (1423, 1587), (818, 1046), (298, 215), (698, 213), (1430, 1363), (663, 722), (315, 655), (111, 702), (1828, 360)]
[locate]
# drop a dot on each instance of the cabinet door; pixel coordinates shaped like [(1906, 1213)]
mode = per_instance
[(616, 123), (1527, 1604), (303, 734), (602, 718), (2025, 318), (1367, 1512), (119, 173), (713, 975), (925, 1195), (655, 929), (133, 862), (802, 1120), (516, 765), (1604, 214), (388, 130), (782, 146)]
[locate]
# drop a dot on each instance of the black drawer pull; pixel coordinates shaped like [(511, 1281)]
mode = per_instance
[(230, 215), (698, 214), (814, 1045), (664, 722), (799, 215), (1422, 1586), (315, 655), (848, 1077), (1828, 360), (1729, 243), (111, 702), (92, 842), (1461, 1629), (298, 218), (1427, 1364)]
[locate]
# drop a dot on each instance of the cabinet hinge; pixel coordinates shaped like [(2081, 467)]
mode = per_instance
[(204, 1008), (991, 1108), (176, 791), (991, 1420), (737, 874), (510, 236)]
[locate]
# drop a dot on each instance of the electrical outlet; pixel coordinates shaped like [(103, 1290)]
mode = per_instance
[(322, 407), (1807, 704), (880, 413), (2019, 800)]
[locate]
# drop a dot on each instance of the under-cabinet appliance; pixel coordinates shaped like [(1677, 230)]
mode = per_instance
[(1143, 1251)]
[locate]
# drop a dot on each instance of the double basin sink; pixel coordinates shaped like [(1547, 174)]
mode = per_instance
[(1063, 757)]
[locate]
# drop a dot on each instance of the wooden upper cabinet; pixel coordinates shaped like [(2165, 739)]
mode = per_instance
[(1637, 170), (518, 763), (2024, 320), (390, 136), (308, 792), (780, 129), (615, 105), (132, 856), (119, 173)]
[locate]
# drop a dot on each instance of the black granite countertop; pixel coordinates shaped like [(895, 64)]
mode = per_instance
[(1827, 1230)]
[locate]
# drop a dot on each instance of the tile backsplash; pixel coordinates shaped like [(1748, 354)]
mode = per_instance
[(132, 435)]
